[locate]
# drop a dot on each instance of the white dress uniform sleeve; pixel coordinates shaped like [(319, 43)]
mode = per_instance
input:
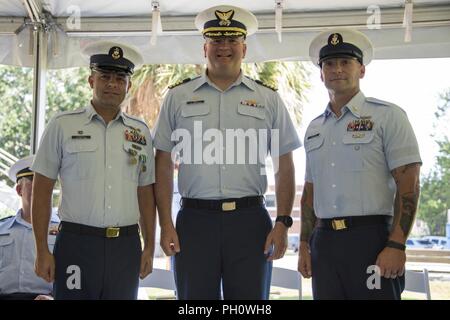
[(148, 176), (400, 143), (48, 157), (165, 125), (287, 138), (308, 174)]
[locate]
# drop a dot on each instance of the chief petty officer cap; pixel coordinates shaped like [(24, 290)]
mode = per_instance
[(340, 42), (226, 21), (112, 56), (21, 169)]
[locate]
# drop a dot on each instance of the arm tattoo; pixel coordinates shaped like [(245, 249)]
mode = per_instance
[(308, 219), (406, 199), (409, 207)]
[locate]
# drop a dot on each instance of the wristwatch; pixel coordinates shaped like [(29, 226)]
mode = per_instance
[(395, 245), (286, 220)]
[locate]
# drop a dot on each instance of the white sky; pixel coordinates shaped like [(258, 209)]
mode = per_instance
[(414, 85)]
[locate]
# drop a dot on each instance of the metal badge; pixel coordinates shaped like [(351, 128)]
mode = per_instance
[(338, 224), (228, 206)]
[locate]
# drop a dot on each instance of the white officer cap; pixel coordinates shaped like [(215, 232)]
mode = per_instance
[(21, 169), (226, 21), (107, 55), (338, 42)]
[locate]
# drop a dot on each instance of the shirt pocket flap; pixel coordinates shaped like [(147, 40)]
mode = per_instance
[(313, 143), (194, 110), (81, 146), (256, 112), (6, 241), (357, 137)]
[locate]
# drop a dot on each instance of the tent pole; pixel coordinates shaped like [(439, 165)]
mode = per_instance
[(39, 85)]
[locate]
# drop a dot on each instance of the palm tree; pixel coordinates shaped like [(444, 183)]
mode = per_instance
[(150, 85), (151, 81), (291, 79)]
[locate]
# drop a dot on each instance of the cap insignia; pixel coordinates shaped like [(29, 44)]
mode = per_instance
[(335, 39), (224, 17), (115, 53)]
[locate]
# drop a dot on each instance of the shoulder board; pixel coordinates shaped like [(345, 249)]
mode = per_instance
[(378, 101), (5, 218), (271, 87), (135, 118), (65, 113), (318, 117), (176, 84)]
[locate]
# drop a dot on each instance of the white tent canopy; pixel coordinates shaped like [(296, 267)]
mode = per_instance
[(71, 24), (49, 34)]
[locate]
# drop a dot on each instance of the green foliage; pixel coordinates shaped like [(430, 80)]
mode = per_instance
[(15, 109), (66, 90), (163, 75), (435, 189), (291, 79)]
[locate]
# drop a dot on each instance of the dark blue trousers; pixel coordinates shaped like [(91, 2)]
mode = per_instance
[(340, 260), (223, 248), (108, 268)]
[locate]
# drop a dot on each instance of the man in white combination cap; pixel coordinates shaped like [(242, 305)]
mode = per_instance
[(17, 251), (224, 237), (104, 160), (361, 183)]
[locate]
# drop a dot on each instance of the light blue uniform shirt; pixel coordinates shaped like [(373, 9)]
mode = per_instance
[(211, 116), (98, 177), (350, 168), (17, 255)]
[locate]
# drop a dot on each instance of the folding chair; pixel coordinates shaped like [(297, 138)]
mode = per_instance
[(288, 279), (417, 281), (160, 279)]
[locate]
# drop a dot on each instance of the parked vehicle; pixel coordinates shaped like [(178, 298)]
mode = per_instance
[(293, 242), (416, 243), (437, 241)]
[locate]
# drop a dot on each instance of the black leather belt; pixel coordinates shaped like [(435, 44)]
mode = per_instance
[(110, 232), (223, 204), (342, 223)]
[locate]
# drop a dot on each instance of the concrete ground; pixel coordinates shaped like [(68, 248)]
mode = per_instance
[(439, 275)]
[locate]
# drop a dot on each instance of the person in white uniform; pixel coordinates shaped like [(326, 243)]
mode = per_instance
[(224, 235), (104, 160), (362, 180), (17, 251)]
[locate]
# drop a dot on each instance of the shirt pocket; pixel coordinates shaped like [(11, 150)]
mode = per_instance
[(355, 145), (81, 155), (254, 112), (6, 250), (313, 143), (315, 153), (194, 110), (194, 117)]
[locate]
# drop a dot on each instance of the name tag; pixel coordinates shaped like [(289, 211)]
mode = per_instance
[(195, 101), (313, 136), (81, 137)]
